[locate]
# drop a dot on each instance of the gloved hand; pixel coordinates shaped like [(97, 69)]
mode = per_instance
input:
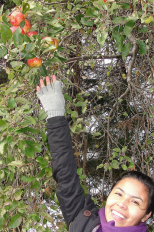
[(51, 97)]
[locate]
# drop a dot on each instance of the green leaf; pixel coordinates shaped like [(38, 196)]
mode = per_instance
[(11, 103), (18, 37), (119, 40), (15, 64), (84, 109), (74, 114), (144, 29), (142, 47), (48, 172), (96, 134), (119, 20), (3, 51), (17, 2), (152, 134), (26, 130), (2, 174), (61, 58), (87, 21), (131, 165), (43, 71), (90, 12), (30, 47), (2, 144), (124, 167), (76, 26), (36, 147), (6, 32), (29, 152), (99, 166), (31, 120), (42, 115), (115, 154), (27, 179), (115, 164), (17, 195), (101, 37), (124, 149), (125, 50), (129, 27), (22, 24), (116, 149), (1, 10), (23, 100), (79, 171), (51, 47), (15, 221), (42, 161), (16, 163), (67, 97), (47, 217), (125, 6), (35, 185), (41, 173), (26, 55), (25, 7), (3, 124), (1, 223), (82, 177)]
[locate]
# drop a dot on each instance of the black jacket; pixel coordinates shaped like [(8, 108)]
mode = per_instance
[(80, 214)]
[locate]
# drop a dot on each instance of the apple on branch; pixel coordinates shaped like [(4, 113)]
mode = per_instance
[(16, 18), (50, 41), (31, 33), (14, 28), (27, 26), (35, 62)]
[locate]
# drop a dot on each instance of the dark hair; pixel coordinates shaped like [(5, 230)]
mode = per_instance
[(146, 180)]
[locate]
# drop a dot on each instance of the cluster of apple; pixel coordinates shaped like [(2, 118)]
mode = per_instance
[(15, 19)]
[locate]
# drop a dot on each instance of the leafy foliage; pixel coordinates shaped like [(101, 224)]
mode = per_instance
[(105, 61)]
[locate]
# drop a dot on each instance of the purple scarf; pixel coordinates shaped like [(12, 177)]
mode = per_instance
[(110, 226)]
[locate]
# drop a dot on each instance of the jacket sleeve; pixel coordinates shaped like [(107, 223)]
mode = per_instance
[(69, 191)]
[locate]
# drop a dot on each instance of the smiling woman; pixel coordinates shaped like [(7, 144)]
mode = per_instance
[(131, 201)]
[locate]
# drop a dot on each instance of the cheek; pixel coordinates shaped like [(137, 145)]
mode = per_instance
[(110, 201)]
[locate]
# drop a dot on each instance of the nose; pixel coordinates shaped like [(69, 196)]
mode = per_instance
[(123, 203)]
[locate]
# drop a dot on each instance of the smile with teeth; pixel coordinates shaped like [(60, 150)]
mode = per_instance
[(118, 215)]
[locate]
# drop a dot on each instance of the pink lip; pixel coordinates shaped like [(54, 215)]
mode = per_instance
[(117, 217)]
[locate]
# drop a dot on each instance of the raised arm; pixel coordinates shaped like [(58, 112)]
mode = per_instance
[(69, 192)]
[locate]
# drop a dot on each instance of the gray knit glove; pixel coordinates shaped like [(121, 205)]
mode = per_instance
[(52, 99)]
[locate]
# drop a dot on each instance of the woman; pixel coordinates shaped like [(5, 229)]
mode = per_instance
[(131, 201)]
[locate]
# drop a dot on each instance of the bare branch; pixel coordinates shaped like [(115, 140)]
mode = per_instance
[(95, 57), (129, 77)]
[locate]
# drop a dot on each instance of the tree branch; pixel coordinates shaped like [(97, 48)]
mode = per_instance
[(132, 38), (95, 57)]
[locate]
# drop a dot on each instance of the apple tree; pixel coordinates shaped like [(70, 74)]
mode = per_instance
[(103, 53)]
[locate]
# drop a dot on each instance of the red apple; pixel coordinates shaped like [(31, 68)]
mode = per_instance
[(27, 26), (16, 18), (14, 28), (31, 33), (49, 41), (34, 63)]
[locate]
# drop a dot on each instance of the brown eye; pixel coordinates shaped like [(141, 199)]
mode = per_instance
[(119, 194), (135, 202)]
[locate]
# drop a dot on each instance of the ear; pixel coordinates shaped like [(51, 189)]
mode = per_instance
[(146, 217)]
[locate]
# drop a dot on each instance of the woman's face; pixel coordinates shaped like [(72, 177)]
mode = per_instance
[(127, 203)]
